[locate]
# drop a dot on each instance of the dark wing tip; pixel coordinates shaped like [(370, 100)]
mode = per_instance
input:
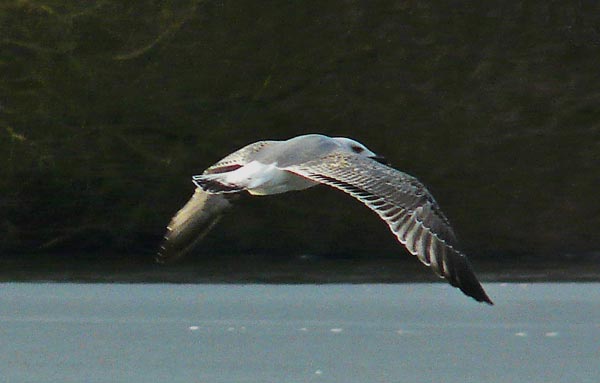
[(432, 239), (427, 235), (476, 291), (460, 274)]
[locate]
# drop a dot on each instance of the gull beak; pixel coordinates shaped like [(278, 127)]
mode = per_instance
[(380, 159)]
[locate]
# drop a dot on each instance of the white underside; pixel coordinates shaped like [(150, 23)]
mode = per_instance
[(261, 179)]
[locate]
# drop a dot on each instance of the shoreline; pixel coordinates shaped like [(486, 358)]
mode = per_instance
[(271, 269)]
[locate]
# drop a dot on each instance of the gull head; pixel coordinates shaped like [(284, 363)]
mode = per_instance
[(357, 148)]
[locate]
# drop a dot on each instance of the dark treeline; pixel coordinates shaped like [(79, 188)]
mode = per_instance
[(108, 107)]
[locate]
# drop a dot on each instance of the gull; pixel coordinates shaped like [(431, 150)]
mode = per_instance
[(273, 167)]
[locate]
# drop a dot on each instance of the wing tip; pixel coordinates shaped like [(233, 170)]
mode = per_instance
[(167, 254), (481, 297), (470, 285)]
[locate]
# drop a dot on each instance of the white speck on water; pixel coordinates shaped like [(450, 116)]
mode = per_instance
[(551, 334), (521, 334), (318, 372), (194, 328), (243, 329), (400, 332), (230, 329), (303, 329), (336, 330)]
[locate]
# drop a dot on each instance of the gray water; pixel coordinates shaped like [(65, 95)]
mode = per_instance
[(298, 333)]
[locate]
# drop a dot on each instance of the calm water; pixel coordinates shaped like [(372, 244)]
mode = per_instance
[(298, 333)]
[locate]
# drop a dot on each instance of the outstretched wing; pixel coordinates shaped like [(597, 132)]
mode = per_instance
[(191, 224), (406, 206), (203, 210), (237, 159)]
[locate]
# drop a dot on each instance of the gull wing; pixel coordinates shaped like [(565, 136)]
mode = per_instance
[(406, 206), (203, 210), (199, 215)]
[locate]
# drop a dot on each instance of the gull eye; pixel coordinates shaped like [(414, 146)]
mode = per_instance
[(357, 149)]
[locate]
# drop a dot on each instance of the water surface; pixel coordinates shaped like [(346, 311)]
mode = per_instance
[(546, 332)]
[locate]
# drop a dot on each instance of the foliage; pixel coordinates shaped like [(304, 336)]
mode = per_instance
[(108, 107)]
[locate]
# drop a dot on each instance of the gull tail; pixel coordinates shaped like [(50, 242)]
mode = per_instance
[(199, 215)]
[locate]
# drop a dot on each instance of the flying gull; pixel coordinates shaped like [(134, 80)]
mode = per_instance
[(273, 167)]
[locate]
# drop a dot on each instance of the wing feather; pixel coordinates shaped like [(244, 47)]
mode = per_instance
[(407, 207)]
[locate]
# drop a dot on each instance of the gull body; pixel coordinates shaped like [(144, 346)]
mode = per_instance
[(273, 167), (266, 173)]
